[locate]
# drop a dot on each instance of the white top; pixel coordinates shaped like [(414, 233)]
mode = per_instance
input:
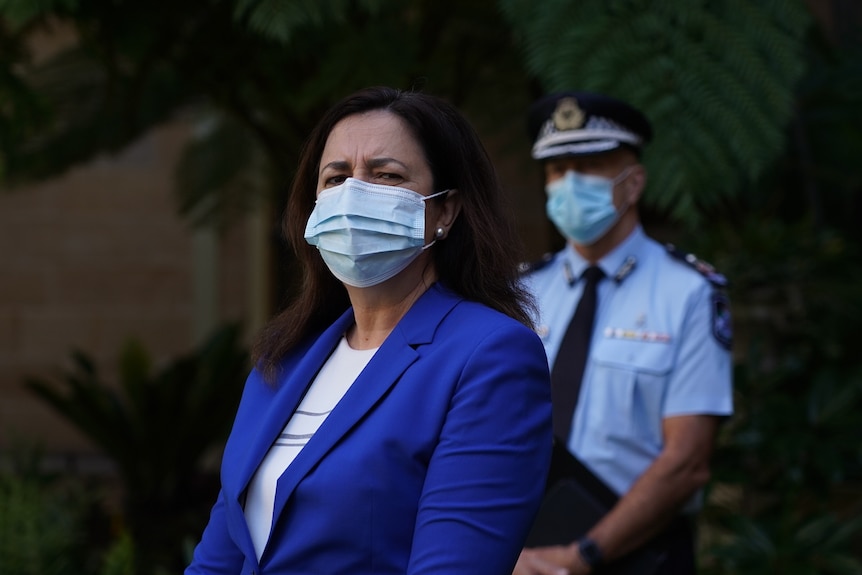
[(332, 382)]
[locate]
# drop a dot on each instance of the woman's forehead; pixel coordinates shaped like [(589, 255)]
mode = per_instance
[(377, 133)]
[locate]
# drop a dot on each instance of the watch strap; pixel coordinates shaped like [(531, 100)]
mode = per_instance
[(590, 552)]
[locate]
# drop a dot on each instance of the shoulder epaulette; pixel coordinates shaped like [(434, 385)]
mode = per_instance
[(530, 267), (703, 268)]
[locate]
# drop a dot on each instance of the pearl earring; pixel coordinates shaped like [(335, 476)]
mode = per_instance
[(439, 234)]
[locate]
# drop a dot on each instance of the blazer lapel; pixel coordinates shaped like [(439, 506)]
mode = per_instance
[(395, 355), (290, 392)]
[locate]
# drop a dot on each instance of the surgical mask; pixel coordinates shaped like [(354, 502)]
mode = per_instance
[(582, 206), (367, 233)]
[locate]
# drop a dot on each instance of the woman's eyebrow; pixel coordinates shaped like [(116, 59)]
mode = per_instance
[(340, 165), (380, 162), (336, 165)]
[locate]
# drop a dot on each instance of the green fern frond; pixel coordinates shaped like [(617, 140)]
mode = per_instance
[(716, 79), (280, 21)]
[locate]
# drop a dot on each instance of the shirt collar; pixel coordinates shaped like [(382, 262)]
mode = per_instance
[(614, 260)]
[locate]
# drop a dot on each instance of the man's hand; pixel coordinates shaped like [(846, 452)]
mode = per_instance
[(554, 560)]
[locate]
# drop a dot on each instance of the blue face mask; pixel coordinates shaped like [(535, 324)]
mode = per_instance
[(582, 206), (367, 233)]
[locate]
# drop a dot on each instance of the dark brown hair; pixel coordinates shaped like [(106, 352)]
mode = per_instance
[(479, 257)]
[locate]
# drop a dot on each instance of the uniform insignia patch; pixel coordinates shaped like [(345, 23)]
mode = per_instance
[(568, 115), (722, 324), (625, 269), (703, 268)]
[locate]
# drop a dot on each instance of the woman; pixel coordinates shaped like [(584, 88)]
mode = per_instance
[(398, 418)]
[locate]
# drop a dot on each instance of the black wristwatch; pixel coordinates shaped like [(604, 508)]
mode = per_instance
[(590, 552)]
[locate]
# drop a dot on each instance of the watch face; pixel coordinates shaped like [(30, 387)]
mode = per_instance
[(590, 552)]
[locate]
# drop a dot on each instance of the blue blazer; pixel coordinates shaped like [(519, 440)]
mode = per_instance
[(433, 462)]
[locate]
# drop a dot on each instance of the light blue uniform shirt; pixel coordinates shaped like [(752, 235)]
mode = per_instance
[(654, 353)]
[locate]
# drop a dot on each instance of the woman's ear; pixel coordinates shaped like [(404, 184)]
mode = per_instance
[(450, 207)]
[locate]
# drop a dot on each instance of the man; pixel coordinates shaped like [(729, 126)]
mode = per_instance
[(655, 363)]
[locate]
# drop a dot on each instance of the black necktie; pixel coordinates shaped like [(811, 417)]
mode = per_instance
[(572, 356)]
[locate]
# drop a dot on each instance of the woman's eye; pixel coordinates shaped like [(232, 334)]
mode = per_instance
[(388, 176), (335, 180)]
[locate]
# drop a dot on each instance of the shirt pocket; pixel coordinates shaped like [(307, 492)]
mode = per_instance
[(630, 376), (653, 358)]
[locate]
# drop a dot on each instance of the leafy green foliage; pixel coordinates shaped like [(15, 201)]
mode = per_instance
[(22, 111), (22, 12), (799, 379), (120, 558), (716, 80), (48, 524), (115, 82), (819, 546), (56, 525), (792, 453), (281, 20), (787, 494), (158, 428), (259, 73), (37, 530), (826, 142)]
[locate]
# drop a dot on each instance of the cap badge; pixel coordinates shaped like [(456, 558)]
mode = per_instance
[(568, 115)]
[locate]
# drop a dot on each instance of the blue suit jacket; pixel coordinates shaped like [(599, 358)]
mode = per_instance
[(433, 462)]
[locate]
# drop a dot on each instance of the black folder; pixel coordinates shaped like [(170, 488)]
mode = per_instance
[(575, 500)]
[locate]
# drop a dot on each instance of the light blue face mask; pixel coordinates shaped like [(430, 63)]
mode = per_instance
[(367, 233), (582, 206)]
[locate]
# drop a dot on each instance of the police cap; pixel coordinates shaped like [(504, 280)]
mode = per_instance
[(583, 123)]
